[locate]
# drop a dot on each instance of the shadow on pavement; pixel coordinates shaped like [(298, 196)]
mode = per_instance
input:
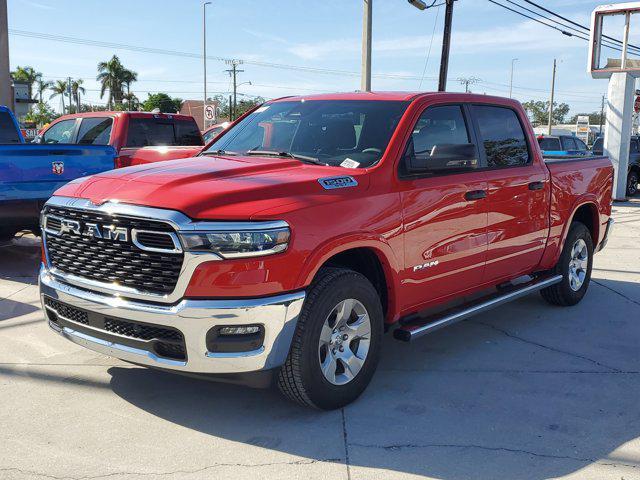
[(526, 391), (20, 259)]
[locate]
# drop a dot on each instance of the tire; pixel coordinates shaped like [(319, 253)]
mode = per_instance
[(570, 291), (632, 183), (301, 378)]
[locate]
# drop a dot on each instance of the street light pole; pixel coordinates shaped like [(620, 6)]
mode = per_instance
[(513, 61), (365, 81), (204, 62), (446, 44)]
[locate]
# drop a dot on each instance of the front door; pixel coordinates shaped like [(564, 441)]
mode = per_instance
[(444, 213)]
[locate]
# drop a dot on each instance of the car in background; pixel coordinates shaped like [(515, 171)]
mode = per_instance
[(213, 131), (30, 173), (138, 137), (562, 146), (633, 177)]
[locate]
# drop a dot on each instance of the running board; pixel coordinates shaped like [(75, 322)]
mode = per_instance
[(422, 326)]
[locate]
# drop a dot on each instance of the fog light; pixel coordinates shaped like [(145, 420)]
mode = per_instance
[(248, 330)]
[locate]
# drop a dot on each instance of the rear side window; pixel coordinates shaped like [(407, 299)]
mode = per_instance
[(187, 133), (580, 144), (8, 131), (61, 132), (549, 144), (95, 131), (502, 135), (597, 146), (568, 143)]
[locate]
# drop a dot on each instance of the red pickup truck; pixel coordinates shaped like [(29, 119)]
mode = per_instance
[(138, 137), (312, 226)]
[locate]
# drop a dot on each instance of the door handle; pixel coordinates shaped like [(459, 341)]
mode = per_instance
[(475, 195), (536, 185)]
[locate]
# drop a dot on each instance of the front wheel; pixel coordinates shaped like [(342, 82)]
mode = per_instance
[(574, 265), (632, 183), (336, 346)]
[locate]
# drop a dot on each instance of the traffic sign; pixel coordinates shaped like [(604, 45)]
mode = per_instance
[(209, 112)]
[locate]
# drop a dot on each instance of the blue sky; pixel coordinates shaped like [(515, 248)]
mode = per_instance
[(322, 34)]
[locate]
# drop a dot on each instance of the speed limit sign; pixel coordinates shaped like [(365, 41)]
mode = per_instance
[(209, 112)]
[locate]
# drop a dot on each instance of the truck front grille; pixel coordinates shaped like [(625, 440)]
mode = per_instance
[(113, 261)]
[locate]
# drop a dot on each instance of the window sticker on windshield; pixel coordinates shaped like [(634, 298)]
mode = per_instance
[(349, 163), (261, 109)]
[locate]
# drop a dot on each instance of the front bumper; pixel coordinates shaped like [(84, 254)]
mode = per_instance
[(193, 318)]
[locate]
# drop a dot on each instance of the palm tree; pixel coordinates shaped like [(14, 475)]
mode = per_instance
[(42, 86), (76, 89), (128, 77), (113, 76), (59, 88), (133, 102), (28, 75)]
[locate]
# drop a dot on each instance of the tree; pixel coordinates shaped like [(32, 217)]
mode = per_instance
[(539, 111), (42, 86), (28, 75), (132, 101), (59, 88), (241, 107), (76, 88), (113, 76), (41, 114), (163, 102), (594, 118)]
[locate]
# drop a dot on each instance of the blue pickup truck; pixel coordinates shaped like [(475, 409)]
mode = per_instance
[(30, 173)]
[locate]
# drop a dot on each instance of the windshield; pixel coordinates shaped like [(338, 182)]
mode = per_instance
[(549, 143), (347, 133)]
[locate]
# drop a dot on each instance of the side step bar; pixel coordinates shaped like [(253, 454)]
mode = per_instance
[(422, 326)]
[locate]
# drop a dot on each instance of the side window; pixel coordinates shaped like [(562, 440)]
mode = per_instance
[(149, 132), (580, 144), (502, 135), (95, 131), (549, 144), (569, 143), (61, 132), (8, 131), (634, 146), (440, 142)]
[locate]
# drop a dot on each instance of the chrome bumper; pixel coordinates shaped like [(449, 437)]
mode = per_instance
[(194, 318)]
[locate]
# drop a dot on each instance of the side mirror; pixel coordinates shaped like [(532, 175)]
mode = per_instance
[(444, 158)]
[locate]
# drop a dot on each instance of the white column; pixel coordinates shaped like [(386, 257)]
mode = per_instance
[(617, 131)]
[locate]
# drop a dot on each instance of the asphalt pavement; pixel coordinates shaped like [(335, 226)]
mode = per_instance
[(526, 391)]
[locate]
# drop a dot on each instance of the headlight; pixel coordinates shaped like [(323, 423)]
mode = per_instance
[(238, 244)]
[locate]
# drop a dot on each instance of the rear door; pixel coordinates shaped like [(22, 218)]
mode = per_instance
[(444, 214), (518, 193)]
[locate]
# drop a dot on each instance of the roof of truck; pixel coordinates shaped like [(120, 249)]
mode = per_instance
[(397, 96)]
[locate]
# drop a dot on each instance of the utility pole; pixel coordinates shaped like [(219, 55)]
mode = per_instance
[(6, 96), (468, 81), (204, 62), (553, 87), (234, 73), (513, 61), (446, 44), (602, 114), (365, 82)]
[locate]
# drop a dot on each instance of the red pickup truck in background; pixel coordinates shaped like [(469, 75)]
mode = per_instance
[(312, 226), (138, 137)]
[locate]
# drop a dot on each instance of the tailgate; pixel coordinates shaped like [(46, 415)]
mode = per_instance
[(137, 156), (32, 171)]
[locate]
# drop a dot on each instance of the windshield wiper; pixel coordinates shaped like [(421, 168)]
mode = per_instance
[(220, 152), (302, 158)]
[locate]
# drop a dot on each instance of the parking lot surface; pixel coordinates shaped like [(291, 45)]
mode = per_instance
[(527, 391)]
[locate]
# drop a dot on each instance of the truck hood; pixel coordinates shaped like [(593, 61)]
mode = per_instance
[(210, 187)]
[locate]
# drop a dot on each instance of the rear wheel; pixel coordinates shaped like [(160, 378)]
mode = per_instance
[(336, 347), (632, 183), (575, 267)]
